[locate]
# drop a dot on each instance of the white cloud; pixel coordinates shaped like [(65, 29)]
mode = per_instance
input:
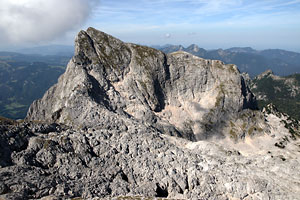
[(33, 21)]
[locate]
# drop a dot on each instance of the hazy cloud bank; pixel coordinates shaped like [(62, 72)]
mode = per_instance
[(23, 21)]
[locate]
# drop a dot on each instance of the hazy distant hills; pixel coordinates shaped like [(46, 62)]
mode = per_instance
[(247, 59), (62, 50), (24, 78), (30, 58)]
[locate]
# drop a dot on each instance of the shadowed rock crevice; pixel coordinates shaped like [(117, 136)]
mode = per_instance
[(160, 96), (56, 115), (97, 93), (161, 192), (249, 100), (161, 84)]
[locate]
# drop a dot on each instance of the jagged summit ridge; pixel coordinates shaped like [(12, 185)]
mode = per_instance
[(180, 94)]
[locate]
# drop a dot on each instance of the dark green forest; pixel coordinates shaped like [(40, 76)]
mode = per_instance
[(284, 93)]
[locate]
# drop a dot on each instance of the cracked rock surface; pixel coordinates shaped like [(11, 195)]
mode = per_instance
[(136, 161)]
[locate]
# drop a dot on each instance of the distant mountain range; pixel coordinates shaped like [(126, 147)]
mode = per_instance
[(248, 60), (61, 50), (24, 78)]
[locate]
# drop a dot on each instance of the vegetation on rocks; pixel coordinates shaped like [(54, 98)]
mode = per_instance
[(283, 92)]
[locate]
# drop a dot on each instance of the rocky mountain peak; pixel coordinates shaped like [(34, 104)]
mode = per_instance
[(266, 73), (242, 50), (179, 94), (193, 48)]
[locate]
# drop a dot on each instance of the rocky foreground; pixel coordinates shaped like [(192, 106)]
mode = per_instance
[(127, 121), (40, 161)]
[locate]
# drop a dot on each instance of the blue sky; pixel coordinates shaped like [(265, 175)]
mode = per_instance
[(208, 23)]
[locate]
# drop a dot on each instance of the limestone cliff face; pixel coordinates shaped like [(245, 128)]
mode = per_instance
[(179, 94)]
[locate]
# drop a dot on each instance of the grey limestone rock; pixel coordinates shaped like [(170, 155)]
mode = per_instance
[(139, 161)]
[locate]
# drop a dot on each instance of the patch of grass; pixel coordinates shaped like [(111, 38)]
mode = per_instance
[(259, 129), (77, 198), (244, 125), (219, 65), (251, 130), (232, 124), (47, 143), (64, 139), (129, 198), (143, 84), (67, 119), (142, 53), (4, 120), (232, 68), (221, 95), (233, 134)]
